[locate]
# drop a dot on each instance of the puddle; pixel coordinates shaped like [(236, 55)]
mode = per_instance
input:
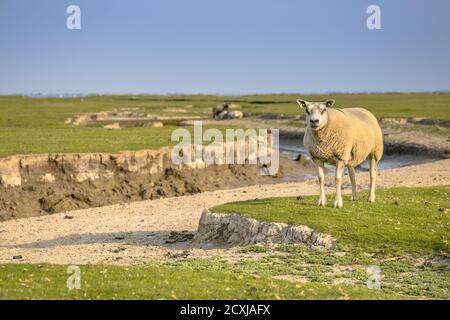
[(290, 148)]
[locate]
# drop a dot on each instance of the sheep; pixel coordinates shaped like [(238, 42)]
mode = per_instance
[(217, 110), (225, 114), (344, 138), (222, 115), (236, 114)]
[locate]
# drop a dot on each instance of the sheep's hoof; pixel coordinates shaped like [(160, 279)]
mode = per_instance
[(338, 204), (354, 198), (371, 199), (322, 202)]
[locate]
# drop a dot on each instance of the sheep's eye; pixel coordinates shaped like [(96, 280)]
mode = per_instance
[(307, 111), (323, 111)]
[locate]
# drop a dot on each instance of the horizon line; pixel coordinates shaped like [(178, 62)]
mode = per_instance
[(93, 94)]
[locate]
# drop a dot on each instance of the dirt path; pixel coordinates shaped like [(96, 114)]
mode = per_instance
[(160, 229)]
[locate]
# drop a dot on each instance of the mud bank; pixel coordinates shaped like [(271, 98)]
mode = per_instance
[(34, 185), (127, 119), (237, 229)]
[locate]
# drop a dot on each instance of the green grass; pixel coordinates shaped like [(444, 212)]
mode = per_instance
[(435, 106), (158, 282), (401, 275), (31, 126), (37, 125), (401, 221), (404, 233)]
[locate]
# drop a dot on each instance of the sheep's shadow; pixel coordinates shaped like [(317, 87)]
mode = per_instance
[(170, 239)]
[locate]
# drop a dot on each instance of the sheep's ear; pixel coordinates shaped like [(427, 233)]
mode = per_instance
[(330, 103), (301, 103)]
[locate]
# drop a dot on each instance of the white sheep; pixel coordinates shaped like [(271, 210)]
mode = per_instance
[(226, 115), (236, 114), (344, 138)]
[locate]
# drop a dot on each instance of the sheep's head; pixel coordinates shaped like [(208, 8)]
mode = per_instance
[(316, 112)]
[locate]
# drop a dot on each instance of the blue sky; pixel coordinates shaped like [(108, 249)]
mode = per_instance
[(228, 47)]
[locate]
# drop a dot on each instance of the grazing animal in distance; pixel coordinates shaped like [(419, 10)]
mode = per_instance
[(344, 138), (223, 112), (218, 110), (235, 114)]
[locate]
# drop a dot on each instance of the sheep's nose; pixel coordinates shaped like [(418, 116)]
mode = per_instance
[(314, 121)]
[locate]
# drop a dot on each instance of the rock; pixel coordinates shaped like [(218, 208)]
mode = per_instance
[(18, 257), (80, 197), (154, 124), (178, 255), (48, 177), (241, 230), (10, 175), (397, 121), (443, 209), (234, 106), (182, 236), (175, 110), (114, 125), (118, 250)]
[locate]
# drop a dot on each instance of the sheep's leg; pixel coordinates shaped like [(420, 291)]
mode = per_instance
[(351, 173), (338, 203), (321, 173), (373, 177)]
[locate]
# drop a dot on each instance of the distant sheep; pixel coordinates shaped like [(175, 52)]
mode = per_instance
[(223, 112), (344, 138), (218, 110), (222, 115), (235, 114)]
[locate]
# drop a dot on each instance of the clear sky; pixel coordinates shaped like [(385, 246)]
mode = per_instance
[(227, 46)]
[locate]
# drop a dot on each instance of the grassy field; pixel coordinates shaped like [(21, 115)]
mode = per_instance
[(402, 221), (30, 126), (37, 125), (159, 282), (435, 106), (404, 233)]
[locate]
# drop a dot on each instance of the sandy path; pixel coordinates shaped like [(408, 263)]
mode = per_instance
[(137, 232)]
